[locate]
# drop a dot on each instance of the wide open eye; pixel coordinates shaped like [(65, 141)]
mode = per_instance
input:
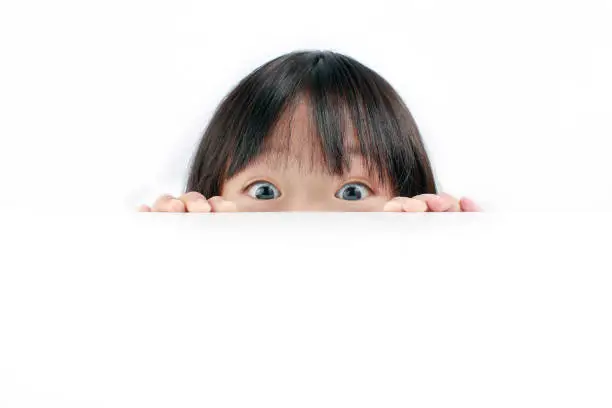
[(353, 192), (263, 190)]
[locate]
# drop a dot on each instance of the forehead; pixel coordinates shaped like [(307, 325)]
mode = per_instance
[(296, 141)]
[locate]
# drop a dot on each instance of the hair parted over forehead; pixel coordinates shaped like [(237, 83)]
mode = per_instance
[(322, 102)]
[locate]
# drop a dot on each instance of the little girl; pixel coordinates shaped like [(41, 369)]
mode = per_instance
[(311, 131)]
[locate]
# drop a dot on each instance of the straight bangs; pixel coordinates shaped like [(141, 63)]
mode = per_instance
[(318, 109)]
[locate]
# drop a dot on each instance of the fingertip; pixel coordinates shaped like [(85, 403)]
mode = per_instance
[(227, 206), (412, 205), (162, 204), (436, 203), (448, 203), (468, 205), (176, 206), (405, 204), (431, 202), (231, 206), (215, 202), (393, 206), (192, 196), (200, 205), (219, 204)]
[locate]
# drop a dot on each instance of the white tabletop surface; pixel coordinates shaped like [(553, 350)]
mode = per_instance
[(306, 309)]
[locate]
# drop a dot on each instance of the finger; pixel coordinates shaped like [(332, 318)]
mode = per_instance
[(445, 203), (195, 202), (218, 204), (393, 206), (440, 203), (144, 208), (405, 204), (167, 203), (467, 205), (428, 199)]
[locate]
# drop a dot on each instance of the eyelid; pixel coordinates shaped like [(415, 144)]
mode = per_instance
[(252, 183), (362, 182)]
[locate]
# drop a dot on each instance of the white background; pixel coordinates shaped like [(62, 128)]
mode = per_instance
[(101, 106), (102, 103)]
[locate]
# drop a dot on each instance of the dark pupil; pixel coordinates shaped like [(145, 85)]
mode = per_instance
[(264, 193), (351, 193)]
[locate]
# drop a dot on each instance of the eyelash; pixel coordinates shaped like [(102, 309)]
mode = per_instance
[(363, 183), (248, 187)]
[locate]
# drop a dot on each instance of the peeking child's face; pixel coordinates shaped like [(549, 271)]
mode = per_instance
[(311, 131), (289, 176), (288, 187)]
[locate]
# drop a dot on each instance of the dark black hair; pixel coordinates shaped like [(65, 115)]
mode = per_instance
[(337, 89)]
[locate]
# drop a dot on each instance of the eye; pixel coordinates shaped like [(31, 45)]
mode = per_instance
[(262, 190), (353, 192)]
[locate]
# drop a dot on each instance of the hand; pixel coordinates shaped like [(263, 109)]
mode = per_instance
[(431, 203), (192, 202)]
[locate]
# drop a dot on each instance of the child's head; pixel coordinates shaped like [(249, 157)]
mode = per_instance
[(311, 131)]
